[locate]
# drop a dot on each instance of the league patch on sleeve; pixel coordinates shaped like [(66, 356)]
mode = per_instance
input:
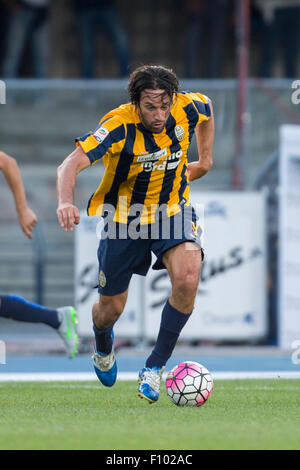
[(100, 134)]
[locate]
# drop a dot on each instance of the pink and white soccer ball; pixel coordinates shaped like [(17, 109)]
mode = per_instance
[(189, 384)]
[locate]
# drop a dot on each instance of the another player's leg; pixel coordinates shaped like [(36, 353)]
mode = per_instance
[(105, 314), (184, 268), (63, 320), (67, 329)]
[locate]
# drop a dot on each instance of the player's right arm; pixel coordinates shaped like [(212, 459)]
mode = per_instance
[(67, 212), (91, 147)]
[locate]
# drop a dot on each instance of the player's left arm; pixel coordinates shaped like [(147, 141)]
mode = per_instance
[(204, 132), (27, 218)]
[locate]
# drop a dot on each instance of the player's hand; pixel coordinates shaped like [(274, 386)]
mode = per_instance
[(195, 170), (68, 216), (27, 220)]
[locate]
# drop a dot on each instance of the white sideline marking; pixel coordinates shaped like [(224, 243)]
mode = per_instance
[(256, 375), (90, 376)]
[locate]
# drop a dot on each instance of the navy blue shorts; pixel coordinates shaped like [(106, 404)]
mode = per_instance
[(120, 256)]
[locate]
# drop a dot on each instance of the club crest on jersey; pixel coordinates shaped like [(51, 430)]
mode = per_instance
[(102, 279), (179, 132), (100, 134)]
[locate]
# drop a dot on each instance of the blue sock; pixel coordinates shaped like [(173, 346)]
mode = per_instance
[(17, 308), (172, 322), (103, 339)]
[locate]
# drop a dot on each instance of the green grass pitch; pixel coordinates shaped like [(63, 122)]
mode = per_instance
[(240, 414)]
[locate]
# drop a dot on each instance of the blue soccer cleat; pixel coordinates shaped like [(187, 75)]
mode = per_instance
[(149, 383), (105, 366)]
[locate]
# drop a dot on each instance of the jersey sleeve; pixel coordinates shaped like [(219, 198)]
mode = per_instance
[(202, 106), (108, 137)]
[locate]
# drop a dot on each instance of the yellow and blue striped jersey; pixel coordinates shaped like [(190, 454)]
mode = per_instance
[(143, 169)]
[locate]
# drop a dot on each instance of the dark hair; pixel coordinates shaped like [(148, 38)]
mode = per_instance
[(153, 77)]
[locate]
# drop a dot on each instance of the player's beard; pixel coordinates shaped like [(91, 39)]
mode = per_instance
[(151, 126), (157, 129)]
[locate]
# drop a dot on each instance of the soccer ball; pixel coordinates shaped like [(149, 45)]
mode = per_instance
[(189, 384)]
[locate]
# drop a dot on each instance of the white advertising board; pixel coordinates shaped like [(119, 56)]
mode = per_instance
[(289, 237), (231, 300)]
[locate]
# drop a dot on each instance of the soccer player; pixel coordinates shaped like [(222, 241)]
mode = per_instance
[(144, 146), (63, 319)]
